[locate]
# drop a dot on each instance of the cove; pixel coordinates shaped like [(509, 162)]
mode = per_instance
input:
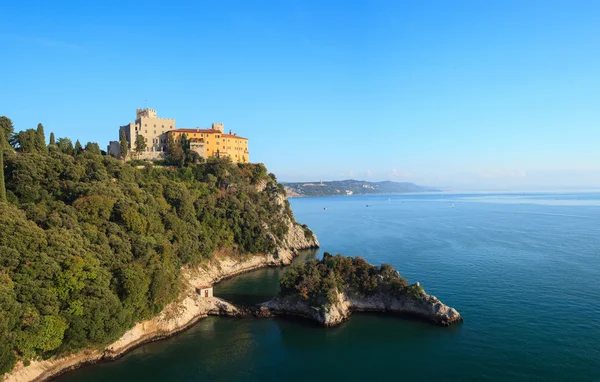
[(521, 269)]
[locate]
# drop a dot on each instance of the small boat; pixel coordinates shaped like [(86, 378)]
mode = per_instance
[(367, 205), (325, 208), (452, 205)]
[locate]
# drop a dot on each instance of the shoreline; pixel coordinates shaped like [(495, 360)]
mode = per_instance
[(54, 368), (176, 317), (103, 358)]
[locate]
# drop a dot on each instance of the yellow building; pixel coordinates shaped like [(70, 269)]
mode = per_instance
[(214, 142)]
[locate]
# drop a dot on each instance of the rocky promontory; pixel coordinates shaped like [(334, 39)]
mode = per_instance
[(328, 291), (426, 307)]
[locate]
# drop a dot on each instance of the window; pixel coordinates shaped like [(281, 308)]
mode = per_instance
[(154, 125), (145, 125), (154, 131)]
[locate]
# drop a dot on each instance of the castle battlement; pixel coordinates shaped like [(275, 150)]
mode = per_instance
[(145, 112)]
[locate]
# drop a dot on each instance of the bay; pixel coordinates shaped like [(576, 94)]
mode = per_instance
[(522, 269)]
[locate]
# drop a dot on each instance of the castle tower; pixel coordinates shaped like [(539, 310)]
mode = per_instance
[(218, 126), (153, 129)]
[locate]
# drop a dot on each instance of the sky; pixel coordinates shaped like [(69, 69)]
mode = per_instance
[(475, 95)]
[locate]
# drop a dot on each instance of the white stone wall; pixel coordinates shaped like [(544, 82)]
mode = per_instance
[(203, 292)]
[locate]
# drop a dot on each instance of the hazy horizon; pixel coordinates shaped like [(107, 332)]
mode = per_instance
[(463, 189), (455, 95)]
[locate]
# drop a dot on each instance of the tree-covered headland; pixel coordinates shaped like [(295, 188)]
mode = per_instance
[(90, 245), (318, 282)]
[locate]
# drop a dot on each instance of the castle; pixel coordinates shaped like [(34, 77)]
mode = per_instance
[(158, 132)]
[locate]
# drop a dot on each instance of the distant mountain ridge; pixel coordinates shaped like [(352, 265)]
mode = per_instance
[(351, 187)]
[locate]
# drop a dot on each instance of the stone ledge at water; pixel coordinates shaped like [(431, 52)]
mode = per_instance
[(425, 307)]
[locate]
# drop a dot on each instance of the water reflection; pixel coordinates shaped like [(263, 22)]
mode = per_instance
[(257, 286)]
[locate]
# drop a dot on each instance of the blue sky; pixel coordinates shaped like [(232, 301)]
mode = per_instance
[(456, 94)]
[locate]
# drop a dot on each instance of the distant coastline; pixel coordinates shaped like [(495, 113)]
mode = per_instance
[(351, 187)]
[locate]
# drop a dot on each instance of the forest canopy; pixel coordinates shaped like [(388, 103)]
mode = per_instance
[(90, 245)]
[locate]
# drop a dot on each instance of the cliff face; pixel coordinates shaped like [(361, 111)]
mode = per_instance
[(423, 306), (178, 315), (222, 268)]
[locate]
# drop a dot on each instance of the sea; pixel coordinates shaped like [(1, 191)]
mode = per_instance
[(523, 269)]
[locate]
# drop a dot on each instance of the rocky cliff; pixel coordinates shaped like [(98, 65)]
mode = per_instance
[(179, 315), (420, 305)]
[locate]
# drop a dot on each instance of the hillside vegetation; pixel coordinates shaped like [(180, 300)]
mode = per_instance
[(90, 245)]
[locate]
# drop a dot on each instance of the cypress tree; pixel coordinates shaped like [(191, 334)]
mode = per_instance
[(2, 186), (124, 144), (78, 147), (40, 138), (52, 139)]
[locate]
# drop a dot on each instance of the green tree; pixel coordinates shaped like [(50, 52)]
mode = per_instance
[(92, 148), (176, 155), (42, 333), (78, 149), (140, 144), (124, 144), (40, 138), (24, 140), (9, 319), (65, 146), (6, 128), (2, 186), (52, 140), (185, 144)]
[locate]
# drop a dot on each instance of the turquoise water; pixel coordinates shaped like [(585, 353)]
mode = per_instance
[(522, 269)]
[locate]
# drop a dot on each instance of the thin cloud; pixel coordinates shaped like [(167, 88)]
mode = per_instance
[(46, 42), (404, 174)]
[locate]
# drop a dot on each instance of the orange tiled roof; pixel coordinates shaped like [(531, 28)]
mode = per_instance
[(206, 131)]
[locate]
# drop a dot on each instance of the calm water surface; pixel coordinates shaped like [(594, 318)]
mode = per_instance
[(522, 269)]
